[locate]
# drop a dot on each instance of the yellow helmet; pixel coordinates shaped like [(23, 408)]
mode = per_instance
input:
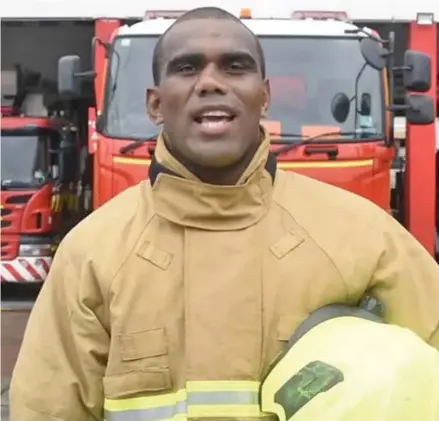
[(344, 364)]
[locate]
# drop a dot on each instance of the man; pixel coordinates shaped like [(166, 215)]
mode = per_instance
[(175, 297)]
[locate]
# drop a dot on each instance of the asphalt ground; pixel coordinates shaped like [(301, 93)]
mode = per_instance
[(16, 303)]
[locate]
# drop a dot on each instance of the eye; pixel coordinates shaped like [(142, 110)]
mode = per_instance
[(185, 68), (236, 65)]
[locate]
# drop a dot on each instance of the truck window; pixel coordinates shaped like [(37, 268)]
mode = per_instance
[(304, 73), (23, 160)]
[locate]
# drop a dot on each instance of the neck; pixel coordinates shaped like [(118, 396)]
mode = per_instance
[(224, 176), (235, 174)]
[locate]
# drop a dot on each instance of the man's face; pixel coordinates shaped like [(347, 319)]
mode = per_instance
[(211, 95)]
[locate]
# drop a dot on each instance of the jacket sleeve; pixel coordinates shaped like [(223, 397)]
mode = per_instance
[(62, 360), (405, 278)]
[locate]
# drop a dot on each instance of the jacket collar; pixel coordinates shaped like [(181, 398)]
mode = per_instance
[(180, 197)]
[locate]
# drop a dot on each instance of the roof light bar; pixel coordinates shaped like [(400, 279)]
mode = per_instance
[(245, 13), (163, 14), (424, 18), (319, 15)]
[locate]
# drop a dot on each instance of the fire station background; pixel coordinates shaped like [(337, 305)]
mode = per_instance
[(37, 46)]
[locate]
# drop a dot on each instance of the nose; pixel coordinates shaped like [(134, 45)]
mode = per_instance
[(209, 82)]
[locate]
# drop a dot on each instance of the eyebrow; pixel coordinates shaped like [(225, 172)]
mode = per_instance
[(199, 58)]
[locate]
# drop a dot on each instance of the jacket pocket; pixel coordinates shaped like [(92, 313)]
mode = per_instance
[(138, 362), (137, 382), (143, 344)]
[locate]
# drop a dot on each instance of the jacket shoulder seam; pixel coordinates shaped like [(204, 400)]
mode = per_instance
[(126, 257), (334, 264)]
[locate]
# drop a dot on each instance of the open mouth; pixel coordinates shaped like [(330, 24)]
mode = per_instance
[(215, 122), (214, 117)]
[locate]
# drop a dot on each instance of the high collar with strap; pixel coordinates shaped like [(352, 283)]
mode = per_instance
[(180, 197)]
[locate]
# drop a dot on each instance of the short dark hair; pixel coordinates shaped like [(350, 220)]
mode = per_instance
[(201, 13)]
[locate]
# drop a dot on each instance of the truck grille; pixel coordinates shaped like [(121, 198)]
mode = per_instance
[(19, 199), (9, 249), (4, 213), (14, 200), (10, 212), (4, 246)]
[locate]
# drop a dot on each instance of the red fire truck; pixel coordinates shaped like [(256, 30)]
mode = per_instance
[(336, 91), (38, 160), (298, 48)]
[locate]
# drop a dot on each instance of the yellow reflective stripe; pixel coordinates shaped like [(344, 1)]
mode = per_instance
[(131, 161), (145, 402), (220, 411), (200, 399), (185, 410), (284, 165), (223, 385), (325, 164)]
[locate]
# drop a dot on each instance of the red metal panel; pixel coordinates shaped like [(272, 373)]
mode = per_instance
[(421, 149), (104, 29)]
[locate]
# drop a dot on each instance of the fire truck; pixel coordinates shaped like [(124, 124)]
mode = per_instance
[(38, 162), (351, 106), (337, 91)]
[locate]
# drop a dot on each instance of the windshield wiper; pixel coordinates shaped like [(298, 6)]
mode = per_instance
[(282, 138), (136, 144), (306, 140)]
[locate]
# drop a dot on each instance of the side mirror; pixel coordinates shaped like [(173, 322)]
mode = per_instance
[(420, 109), (69, 84), (417, 71), (374, 55), (340, 107)]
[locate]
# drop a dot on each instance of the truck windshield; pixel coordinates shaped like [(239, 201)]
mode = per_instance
[(23, 160), (304, 73)]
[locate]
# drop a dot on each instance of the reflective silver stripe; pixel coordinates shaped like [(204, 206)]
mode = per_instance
[(165, 412), (152, 414), (223, 398)]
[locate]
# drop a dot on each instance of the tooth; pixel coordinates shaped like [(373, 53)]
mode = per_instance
[(213, 123), (215, 114)]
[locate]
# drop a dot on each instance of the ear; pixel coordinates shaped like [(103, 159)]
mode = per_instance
[(266, 99), (153, 105)]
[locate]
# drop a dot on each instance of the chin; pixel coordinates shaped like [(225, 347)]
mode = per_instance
[(214, 157), (216, 162)]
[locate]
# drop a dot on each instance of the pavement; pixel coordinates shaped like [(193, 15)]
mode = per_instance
[(13, 323), (5, 401), (14, 316)]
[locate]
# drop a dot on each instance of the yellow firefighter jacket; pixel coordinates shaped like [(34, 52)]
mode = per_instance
[(171, 300)]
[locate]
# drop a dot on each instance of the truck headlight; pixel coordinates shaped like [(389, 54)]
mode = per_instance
[(35, 250)]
